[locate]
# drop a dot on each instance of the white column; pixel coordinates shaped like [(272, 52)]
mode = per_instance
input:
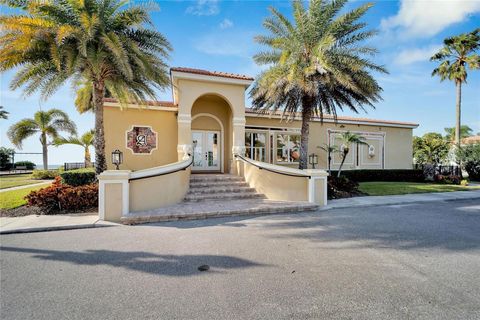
[(113, 203)]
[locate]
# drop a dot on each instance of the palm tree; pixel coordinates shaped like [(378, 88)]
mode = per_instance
[(3, 113), (47, 123), (105, 45), (329, 149), (457, 54), (348, 138), (465, 131), (316, 64), (85, 141)]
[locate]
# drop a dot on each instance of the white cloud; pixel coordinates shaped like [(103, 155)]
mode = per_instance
[(204, 8), (226, 23), (427, 18), (226, 44), (412, 55)]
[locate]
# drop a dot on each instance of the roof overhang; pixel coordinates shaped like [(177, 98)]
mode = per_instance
[(177, 75)]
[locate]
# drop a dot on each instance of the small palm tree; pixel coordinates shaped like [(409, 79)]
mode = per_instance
[(85, 141), (3, 113), (107, 45), (348, 138), (47, 123), (316, 64), (457, 54), (329, 149)]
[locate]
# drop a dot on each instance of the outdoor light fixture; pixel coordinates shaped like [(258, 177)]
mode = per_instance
[(117, 158), (313, 160)]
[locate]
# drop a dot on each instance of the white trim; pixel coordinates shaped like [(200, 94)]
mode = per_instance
[(144, 126), (339, 121), (125, 195), (220, 156), (136, 106), (379, 163), (311, 189), (222, 134), (207, 78)]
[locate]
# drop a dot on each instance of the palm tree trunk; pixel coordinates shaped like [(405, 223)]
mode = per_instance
[(458, 113), (341, 164), (88, 161), (307, 108), (98, 94), (43, 140)]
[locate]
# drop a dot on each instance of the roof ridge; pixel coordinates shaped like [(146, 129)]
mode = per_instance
[(212, 73)]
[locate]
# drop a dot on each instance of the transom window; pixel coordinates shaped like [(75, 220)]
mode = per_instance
[(255, 145)]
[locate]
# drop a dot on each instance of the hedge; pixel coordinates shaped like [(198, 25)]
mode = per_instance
[(44, 174), (365, 175), (28, 164), (78, 177)]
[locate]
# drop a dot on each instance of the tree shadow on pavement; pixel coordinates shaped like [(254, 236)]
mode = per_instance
[(159, 264)]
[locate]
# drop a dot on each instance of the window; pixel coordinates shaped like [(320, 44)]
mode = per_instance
[(288, 147), (255, 145)]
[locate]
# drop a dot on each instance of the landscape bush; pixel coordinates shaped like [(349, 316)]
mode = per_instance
[(28, 164), (45, 174), (469, 157), (58, 198), (341, 187), (78, 177), (394, 175), (448, 179)]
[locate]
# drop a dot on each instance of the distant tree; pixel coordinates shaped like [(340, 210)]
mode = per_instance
[(329, 149), (3, 113), (469, 156), (317, 63), (465, 131), (85, 141), (431, 148), (347, 139), (47, 123), (6, 157), (457, 54)]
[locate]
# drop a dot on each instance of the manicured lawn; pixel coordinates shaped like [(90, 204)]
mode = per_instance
[(389, 188), (9, 181), (13, 199)]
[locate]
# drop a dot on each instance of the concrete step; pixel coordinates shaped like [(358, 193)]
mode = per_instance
[(215, 209), (220, 189), (214, 177), (224, 196), (214, 184)]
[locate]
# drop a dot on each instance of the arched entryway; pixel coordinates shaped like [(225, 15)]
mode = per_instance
[(211, 134)]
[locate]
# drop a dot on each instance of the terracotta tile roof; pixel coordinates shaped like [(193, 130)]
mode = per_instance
[(345, 118), (212, 73), (169, 104), (471, 140)]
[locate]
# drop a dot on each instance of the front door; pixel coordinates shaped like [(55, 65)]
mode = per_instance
[(206, 150)]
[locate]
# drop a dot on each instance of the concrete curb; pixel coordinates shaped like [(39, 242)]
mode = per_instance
[(97, 224)]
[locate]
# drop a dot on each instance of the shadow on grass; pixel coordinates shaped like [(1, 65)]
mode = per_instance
[(159, 264)]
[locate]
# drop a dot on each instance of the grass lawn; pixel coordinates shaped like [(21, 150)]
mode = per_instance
[(15, 180), (13, 199), (389, 188)]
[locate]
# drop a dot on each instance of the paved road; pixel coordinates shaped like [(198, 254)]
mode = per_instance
[(417, 261)]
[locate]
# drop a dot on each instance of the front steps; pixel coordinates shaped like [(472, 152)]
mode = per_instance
[(218, 195)]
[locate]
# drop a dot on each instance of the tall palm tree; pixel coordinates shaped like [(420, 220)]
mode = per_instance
[(106, 45), (348, 138), (85, 141), (316, 64), (457, 54), (465, 131), (329, 149), (47, 123), (3, 113)]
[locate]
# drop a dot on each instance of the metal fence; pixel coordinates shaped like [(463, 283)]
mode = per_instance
[(76, 165), (441, 169)]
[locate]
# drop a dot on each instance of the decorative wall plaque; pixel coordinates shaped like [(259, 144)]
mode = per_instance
[(141, 140)]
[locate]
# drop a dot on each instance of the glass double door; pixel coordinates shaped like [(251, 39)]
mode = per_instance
[(206, 150)]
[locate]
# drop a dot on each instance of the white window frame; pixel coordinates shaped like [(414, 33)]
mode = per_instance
[(252, 148), (275, 149)]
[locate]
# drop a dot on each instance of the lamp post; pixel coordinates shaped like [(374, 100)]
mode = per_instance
[(117, 158), (313, 160)]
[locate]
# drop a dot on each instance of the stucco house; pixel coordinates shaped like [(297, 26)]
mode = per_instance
[(208, 124)]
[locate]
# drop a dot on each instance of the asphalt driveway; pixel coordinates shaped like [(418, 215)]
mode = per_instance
[(417, 261)]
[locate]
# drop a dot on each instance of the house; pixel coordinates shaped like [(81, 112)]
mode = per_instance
[(208, 129)]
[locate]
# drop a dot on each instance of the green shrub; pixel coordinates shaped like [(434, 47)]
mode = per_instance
[(28, 164), (60, 198), (44, 174), (393, 175), (78, 177), (469, 156), (464, 182), (341, 188), (447, 179)]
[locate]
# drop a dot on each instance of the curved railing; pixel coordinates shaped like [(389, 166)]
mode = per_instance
[(265, 167), (162, 170)]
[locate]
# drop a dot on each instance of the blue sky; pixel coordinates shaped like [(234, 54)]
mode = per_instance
[(218, 35)]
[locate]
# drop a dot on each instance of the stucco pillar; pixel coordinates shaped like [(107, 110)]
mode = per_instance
[(184, 145), (317, 186), (113, 195), (238, 143)]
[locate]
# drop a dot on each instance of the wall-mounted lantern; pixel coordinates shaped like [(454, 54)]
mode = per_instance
[(371, 151), (313, 160), (117, 158)]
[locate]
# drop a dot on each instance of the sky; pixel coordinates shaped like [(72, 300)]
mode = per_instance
[(218, 35)]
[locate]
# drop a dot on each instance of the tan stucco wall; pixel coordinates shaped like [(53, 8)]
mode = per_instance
[(398, 142), (113, 202), (157, 192), (118, 122)]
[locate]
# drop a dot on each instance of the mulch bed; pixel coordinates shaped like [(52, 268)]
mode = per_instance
[(26, 211)]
